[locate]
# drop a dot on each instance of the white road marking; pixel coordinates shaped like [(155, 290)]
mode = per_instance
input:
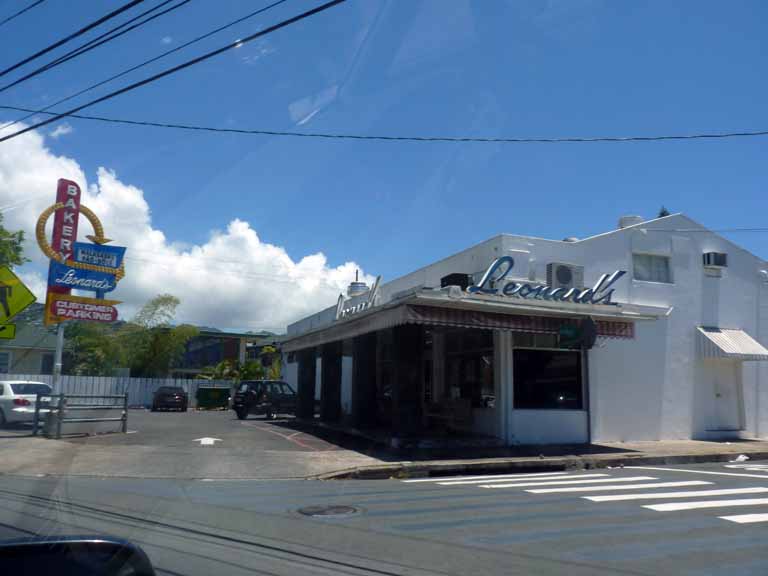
[(683, 494), (526, 484), (207, 441), (512, 479), (763, 476), (674, 506), (488, 477), (746, 518), (620, 487)]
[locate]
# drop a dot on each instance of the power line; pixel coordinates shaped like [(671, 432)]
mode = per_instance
[(343, 136), (182, 66), (107, 36), (20, 12), (66, 39), (147, 62)]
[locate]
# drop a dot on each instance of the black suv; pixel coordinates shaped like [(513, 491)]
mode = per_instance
[(170, 398), (267, 397)]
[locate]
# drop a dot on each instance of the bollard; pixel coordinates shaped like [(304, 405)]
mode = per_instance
[(125, 413), (62, 407), (37, 414)]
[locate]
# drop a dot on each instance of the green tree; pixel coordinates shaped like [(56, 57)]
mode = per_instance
[(663, 212), (233, 370), (95, 349), (153, 344), (11, 249)]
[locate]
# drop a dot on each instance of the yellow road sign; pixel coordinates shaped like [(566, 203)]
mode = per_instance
[(7, 331), (14, 295)]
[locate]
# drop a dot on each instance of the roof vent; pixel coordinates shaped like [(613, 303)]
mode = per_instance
[(625, 221), (356, 288), (570, 239)]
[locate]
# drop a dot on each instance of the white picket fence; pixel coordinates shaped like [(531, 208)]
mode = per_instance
[(140, 390)]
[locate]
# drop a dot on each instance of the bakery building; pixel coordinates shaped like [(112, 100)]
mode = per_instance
[(654, 330)]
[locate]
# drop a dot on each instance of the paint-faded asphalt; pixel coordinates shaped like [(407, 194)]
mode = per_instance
[(703, 519)]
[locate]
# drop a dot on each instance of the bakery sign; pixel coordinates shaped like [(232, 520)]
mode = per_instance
[(85, 266), (493, 283)]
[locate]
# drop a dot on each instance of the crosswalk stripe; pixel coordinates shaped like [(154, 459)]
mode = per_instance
[(486, 481), (620, 487), (683, 494), (746, 518), (487, 477), (675, 506), (559, 482)]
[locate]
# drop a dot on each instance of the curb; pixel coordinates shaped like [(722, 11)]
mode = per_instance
[(520, 465)]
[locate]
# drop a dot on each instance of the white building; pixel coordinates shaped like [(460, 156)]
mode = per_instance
[(679, 351)]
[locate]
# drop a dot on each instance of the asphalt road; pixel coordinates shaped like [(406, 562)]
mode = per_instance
[(700, 519), (166, 445)]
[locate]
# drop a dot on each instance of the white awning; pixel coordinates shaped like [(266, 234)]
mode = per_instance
[(729, 343)]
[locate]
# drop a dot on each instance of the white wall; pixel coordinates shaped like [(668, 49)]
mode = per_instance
[(549, 426)]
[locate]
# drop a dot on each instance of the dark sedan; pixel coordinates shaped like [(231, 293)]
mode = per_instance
[(170, 398)]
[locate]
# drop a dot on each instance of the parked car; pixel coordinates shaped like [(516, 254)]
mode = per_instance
[(170, 398), (17, 400), (267, 397)]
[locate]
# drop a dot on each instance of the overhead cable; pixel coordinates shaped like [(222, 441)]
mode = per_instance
[(72, 36), (107, 36), (179, 67), (388, 138), (147, 62)]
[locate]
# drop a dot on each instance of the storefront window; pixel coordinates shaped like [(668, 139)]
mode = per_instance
[(547, 380), (469, 366)]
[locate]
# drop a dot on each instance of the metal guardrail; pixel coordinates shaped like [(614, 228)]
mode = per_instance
[(63, 406)]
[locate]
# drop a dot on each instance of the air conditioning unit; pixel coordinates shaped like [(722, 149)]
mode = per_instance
[(715, 260), (563, 275), (456, 279)]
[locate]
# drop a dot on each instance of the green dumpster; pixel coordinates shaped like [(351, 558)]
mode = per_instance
[(209, 398)]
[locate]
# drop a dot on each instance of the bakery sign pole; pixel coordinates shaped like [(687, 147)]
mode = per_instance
[(90, 266)]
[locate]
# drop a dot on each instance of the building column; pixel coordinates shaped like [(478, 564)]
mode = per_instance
[(504, 383), (305, 401), (330, 382), (438, 365), (364, 381), (408, 348), (241, 352)]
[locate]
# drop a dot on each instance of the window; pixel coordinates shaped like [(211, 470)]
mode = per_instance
[(46, 364), (5, 362), (469, 366), (31, 388), (651, 268), (547, 380)]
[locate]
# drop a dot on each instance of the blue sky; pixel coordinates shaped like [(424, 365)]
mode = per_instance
[(426, 67)]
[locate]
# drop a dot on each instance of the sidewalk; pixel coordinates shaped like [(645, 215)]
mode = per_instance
[(563, 457)]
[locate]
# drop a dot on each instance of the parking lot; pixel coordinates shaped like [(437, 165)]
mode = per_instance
[(193, 444)]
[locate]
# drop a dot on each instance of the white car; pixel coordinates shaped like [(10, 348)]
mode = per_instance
[(17, 400)]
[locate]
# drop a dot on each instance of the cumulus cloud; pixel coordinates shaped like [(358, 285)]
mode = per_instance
[(61, 130), (235, 280)]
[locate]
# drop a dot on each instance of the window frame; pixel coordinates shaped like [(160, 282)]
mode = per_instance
[(584, 396), (667, 257), (8, 354)]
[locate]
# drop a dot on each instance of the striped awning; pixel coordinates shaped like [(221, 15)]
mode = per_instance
[(450, 317), (716, 342), (459, 318)]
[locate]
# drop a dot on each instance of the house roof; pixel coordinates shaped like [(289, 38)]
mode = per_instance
[(31, 333)]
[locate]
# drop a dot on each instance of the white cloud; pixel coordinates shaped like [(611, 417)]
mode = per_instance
[(234, 280), (61, 130), (166, 39)]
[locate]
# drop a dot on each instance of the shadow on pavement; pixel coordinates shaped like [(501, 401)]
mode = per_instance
[(460, 447)]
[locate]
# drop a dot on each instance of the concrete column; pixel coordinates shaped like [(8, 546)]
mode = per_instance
[(438, 365), (241, 351), (408, 348), (330, 383), (503, 375), (364, 381), (305, 407)]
